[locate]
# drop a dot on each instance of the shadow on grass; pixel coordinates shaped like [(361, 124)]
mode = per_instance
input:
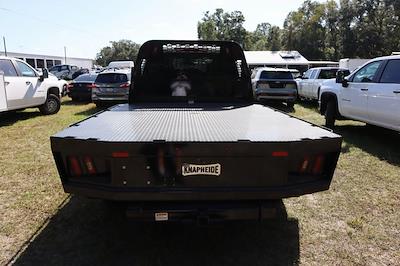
[(86, 232), (71, 102), (89, 112), (280, 106), (313, 105), (379, 142), (9, 118)]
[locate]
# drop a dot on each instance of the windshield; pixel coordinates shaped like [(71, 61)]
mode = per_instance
[(276, 75), (112, 78)]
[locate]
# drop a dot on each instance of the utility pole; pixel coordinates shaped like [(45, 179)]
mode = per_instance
[(5, 47), (65, 55)]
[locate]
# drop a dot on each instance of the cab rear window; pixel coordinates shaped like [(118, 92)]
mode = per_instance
[(112, 78), (276, 75)]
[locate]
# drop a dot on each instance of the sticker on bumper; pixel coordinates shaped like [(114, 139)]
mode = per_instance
[(201, 169)]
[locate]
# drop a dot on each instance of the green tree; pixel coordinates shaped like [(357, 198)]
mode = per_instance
[(221, 25), (119, 50), (274, 38), (304, 30)]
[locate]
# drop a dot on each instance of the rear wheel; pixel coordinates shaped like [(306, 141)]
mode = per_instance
[(51, 106), (100, 104), (290, 104), (330, 114)]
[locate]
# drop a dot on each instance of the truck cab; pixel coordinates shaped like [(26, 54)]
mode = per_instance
[(371, 94), (21, 87)]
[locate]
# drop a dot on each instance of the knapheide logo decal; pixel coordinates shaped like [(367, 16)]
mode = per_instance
[(201, 169)]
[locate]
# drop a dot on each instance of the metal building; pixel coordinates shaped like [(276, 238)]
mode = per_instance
[(47, 61)]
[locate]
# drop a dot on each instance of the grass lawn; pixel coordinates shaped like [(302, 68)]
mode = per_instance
[(356, 222)]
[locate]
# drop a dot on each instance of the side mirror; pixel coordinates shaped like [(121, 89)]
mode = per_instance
[(340, 78), (45, 74), (345, 83), (304, 77)]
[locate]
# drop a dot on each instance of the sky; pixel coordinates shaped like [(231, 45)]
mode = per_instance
[(84, 27)]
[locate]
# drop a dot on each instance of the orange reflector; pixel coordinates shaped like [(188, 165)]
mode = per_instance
[(120, 154), (280, 154), (89, 165), (74, 166), (318, 165)]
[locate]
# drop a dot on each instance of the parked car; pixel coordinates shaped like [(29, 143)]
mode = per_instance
[(274, 84), (81, 87), (310, 84), (209, 154), (370, 94), (21, 87), (112, 86), (64, 71), (80, 72), (120, 64)]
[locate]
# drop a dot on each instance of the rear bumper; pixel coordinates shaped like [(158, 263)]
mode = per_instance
[(276, 94), (119, 98), (82, 95), (206, 212), (194, 194)]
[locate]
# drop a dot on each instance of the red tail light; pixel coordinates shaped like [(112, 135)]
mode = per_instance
[(120, 154), (91, 86), (280, 154), (318, 165), (312, 165), (69, 86), (87, 160), (124, 85), (74, 166), (161, 162)]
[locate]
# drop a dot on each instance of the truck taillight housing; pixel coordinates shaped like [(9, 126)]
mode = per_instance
[(74, 166), (90, 167), (81, 166), (91, 86), (124, 85), (312, 165)]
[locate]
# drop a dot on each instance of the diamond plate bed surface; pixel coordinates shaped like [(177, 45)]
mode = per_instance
[(145, 123)]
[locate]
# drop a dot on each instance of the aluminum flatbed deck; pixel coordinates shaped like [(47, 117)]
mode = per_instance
[(206, 123)]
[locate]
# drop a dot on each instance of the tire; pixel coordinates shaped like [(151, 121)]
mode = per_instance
[(290, 104), (330, 114), (51, 106), (99, 104)]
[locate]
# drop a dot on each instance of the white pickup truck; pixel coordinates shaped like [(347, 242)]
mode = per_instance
[(310, 84), (370, 94), (21, 87)]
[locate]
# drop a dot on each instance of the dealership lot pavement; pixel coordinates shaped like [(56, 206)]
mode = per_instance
[(356, 222)]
